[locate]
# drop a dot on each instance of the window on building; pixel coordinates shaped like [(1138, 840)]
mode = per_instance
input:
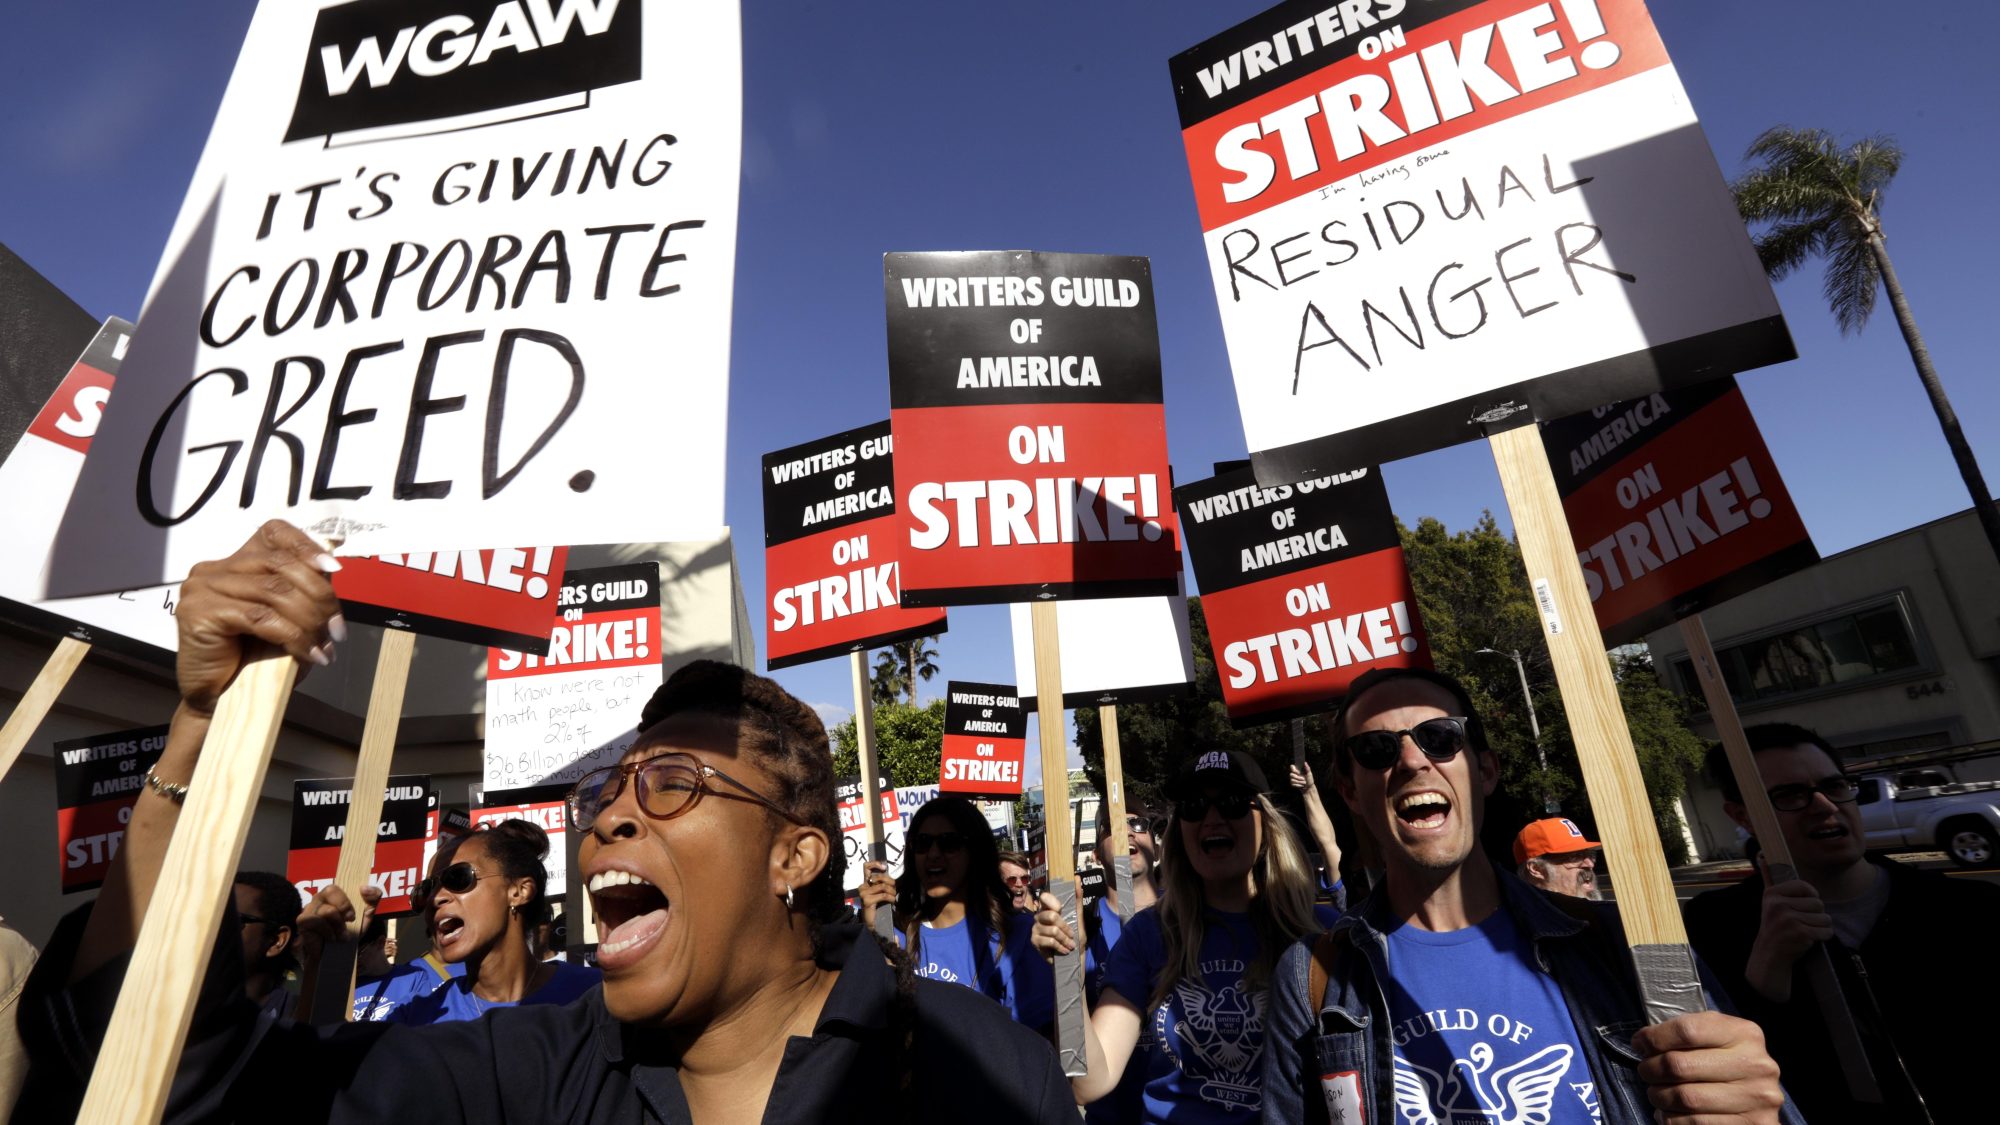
[(1848, 649)]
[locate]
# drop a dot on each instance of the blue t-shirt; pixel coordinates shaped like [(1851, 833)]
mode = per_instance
[(1207, 1059), (1009, 969), (376, 997), (1480, 1034), (454, 1000)]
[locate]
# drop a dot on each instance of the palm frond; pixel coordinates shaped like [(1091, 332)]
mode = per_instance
[(1786, 246), (1777, 195), (1851, 282)]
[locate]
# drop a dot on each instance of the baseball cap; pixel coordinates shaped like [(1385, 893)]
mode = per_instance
[(1218, 767), (1556, 835)]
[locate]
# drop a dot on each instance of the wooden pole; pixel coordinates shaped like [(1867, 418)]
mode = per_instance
[(871, 774), (333, 993), (135, 1066), (1668, 983), (1056, 833), (1114, 806), (1818, 961), (36, 701)]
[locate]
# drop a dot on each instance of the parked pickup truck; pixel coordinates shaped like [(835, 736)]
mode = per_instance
[(1962, 818)]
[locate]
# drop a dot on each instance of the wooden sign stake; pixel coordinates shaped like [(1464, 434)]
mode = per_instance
[(1057, 834), (135, 1065), (871, 774), (1820, 974), (1114, 804), (36, 701), (333, 993), (1668, 983)]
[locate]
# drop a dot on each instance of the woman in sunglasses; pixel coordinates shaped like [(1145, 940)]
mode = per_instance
[(732, 991), (955, 915), (1236, 891)]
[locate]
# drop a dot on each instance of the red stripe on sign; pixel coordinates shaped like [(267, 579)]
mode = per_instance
[(1479, 67), (1018, 494), (619, 638), (71, 415), (837, 588), (1297, 641), (508, 592), (982, 765), (1697, 502), (87, 837)]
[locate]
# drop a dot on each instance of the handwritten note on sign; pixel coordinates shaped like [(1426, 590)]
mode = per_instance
[(554, 718)]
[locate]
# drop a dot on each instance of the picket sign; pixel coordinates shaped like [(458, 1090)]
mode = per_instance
[(1057, 832), (1114, 804), (36, 701), (149, 1026), (1668, 983), (871, 773), (333, 996), (1840, 1024)]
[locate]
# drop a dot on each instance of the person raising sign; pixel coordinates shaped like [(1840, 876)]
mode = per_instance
[(710, 852), (1194, 966)]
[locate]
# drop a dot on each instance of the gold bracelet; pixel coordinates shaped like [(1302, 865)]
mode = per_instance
[(175, 793)]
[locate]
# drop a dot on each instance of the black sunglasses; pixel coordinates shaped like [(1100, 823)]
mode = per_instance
[(1139, 824), (1232, 806), (1840, 789), (1439, 739), (668, 786), (950, 843), (459, 879)]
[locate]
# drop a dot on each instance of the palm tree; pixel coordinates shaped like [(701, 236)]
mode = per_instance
[(1822, 200), (900, 666)]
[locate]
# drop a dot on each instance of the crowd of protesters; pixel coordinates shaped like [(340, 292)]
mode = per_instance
[(1228, 976)]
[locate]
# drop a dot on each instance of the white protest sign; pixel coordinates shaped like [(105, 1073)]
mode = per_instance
[(36, 481), (551, 719), (899, 808), (1114, 650), (444, 268), (1423, 219)]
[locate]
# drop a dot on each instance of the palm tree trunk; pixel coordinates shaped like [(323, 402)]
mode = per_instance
[(910, 666), (1961, 450)]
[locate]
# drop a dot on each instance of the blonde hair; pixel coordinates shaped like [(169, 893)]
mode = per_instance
[(1281, 903)]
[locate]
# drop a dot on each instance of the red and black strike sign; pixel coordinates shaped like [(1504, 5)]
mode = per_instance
[(985, 741), (98, 780), (1675, 505), (1304, 588), (319, 821), (831, 541), (504, 598), (1031, 446), (610, 619)]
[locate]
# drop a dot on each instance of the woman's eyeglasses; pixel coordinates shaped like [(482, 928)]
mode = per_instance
[(1840, 789), (1439, 739), (918, 843), (459, 879), (1232, 806), (1015, 880), (668, 786)]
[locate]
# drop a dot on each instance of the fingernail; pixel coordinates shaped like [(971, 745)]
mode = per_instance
[(319, 657), (332, 653), (336, 627), (327, 563)]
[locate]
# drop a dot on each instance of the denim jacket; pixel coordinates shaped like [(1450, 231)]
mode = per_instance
[(1579, 943)]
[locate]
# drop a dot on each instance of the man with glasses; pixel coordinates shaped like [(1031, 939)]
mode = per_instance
[(1912, 948), (1461, 993), (1018, 872), (268, 906), (1555, 855)]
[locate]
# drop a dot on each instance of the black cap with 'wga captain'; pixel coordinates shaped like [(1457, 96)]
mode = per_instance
[(1221, 768)]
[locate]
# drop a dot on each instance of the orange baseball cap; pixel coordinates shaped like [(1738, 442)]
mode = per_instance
[(1556, 835)]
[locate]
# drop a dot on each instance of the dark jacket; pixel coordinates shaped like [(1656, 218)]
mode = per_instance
[(1923, 986), (545, 1063), (1579, 943)]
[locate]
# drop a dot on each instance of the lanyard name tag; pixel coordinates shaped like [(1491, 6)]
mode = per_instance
[(1343, 1097)]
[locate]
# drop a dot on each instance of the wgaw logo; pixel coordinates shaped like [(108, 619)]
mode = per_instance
[(377, 63)]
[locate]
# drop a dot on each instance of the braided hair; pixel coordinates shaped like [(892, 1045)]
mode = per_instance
[(788, 742)]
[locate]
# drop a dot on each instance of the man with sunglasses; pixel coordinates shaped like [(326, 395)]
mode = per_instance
[(1455, 991), (1912, 948)]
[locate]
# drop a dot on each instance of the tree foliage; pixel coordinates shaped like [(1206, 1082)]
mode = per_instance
[(1820, 201), (899, 667), (909, 743)]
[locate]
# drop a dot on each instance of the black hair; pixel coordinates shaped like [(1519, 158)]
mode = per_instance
[(279, 901), (1475, 730), (519, 848), (789, 743), (986, 894), (1762, 737)]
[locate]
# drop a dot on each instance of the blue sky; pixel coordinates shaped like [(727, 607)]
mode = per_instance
[(896, 125)]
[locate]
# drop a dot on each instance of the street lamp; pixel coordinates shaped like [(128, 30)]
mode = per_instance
[(1549, 804)]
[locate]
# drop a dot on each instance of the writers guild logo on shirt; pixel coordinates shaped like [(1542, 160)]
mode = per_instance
[(1511, 1095), (1216, 1036)]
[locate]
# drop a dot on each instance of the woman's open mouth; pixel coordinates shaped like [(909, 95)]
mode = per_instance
[(447, 928), (1218, 843), (631, 915)]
